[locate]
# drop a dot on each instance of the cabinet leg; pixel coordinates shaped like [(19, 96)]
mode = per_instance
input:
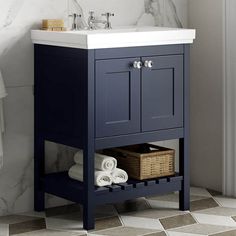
[(39, 160), (89, 195), (39, 202), (184, 195), (88, 216)]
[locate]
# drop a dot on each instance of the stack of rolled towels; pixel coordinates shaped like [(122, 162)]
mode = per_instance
[(105, 173)]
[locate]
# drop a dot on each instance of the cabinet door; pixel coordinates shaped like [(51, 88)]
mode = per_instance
[(117, 97), (162, 93)]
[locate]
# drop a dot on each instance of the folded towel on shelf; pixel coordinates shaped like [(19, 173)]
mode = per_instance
[(101, 178), (119, 176), (101, 162)]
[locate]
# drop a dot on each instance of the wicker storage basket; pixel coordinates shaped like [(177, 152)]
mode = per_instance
[(145, 161)]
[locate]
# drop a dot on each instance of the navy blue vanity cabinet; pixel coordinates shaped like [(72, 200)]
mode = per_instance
[(117, 97), (162, 93), (94, 99), (125, 95)]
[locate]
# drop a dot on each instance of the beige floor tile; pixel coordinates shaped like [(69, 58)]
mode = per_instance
[(177, 221), (221, 211), (106, 223), (138, 222), (133, 205), (27, 226), (214, 193), (34, 214), (203, 204), (21, 223), (202, 229), (100, 212), (62, 210), (105, 211), (48, 232), (138, 217), (155, 213), (157, 234), (227, 233), (128, 231), (14, 219)]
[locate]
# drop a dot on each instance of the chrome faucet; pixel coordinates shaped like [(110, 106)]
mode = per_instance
[(92, 21), (75, 25)]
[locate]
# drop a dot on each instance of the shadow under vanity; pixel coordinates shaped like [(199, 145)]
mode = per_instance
[(109, 89)]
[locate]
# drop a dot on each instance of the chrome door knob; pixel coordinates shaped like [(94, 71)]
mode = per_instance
[(137, 64), (148, 64)]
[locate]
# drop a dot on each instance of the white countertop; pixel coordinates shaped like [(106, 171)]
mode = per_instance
[(114, 38)]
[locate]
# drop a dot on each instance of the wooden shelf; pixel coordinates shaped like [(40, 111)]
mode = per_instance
[(61, 185)]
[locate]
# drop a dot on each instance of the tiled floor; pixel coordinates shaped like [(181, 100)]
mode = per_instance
[(210, 214)]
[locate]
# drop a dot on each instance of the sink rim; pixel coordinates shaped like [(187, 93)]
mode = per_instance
[(127, 29)]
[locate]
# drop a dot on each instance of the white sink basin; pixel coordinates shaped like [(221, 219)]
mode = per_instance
[(114, 38)]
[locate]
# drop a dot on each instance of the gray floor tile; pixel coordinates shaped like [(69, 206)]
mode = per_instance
[(133, 205), (177, 221), (128, 231), (203, 204), (105, 211), (136, 215), (48, 232)]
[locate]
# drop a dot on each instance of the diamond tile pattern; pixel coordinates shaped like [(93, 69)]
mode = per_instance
[(211, 214)]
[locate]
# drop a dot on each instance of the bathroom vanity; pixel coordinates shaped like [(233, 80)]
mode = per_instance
[(110, 88)]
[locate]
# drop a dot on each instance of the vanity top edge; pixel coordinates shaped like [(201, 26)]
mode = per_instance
[(114, 38)]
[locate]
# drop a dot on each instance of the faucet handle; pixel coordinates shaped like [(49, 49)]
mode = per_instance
[(75, 15), (108, 14), (75, 18), (108, 23)]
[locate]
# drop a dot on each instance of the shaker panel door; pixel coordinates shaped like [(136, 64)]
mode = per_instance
[(117, 97), (162, 93)]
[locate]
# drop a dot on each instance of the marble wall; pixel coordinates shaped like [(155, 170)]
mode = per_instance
[(17, 17)]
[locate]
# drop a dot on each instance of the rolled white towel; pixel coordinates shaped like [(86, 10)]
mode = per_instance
[(119, 176), (101, 162), (101, 178)]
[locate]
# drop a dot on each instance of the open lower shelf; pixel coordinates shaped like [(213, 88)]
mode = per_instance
[(61, 185)]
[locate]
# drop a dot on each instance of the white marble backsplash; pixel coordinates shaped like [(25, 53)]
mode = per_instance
[(17, 17)]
